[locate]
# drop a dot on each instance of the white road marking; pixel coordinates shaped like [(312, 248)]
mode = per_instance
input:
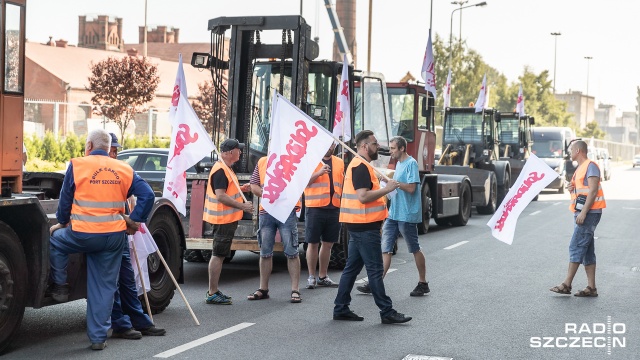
[(203, 340), (456, 245), (535, 212), (366, 278), (558, 203)]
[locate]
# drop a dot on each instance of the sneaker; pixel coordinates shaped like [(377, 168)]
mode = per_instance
[(217, 299), (365, 289), (99, 346), (59, 293), (350, 316), (225, 295), (129, 334), (421, 289), (326, 281), (152, 331), (311, 282), (395, 318)]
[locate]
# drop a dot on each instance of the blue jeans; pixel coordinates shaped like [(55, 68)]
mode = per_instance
[(104, 254), (364, 250), (582, 246), (127, 310), (392, 228), (268, 225)]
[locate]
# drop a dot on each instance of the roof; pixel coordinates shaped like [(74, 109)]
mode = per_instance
[(72, 65), (169, 52)]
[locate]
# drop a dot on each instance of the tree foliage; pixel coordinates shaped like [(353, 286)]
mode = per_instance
[(204, 108), (591, 130), (122, 87)]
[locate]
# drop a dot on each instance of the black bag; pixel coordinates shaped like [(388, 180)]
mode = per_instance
[(580, 201)]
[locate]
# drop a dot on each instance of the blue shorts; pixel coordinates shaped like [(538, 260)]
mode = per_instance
[(322, 224), (582, 245), (268, 225), (390, 231)]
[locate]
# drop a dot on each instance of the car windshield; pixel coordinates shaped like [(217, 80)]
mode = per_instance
[(547, 148)]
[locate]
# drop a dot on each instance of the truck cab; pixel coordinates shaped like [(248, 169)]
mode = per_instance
[(514, 135)]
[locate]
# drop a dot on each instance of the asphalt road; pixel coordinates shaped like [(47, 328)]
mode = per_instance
[(487, 301)]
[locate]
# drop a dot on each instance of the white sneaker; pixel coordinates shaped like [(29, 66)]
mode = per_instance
[(311, 282)]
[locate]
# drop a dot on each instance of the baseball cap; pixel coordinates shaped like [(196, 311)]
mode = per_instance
[(231, 144), (114, 140)]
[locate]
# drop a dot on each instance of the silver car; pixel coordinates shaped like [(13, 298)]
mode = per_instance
[(636, 160)]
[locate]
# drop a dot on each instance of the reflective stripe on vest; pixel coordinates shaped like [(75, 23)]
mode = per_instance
[(216, 212), (352, 211), (580, 189), (317, 194), (101, 191)]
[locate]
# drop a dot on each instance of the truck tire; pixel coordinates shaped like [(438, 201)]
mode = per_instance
[(206, 255), (13, 284), (491, 207), (504, 188), (464, 211), (427, 206), (340, 251), (166, 233), (443, 221), (193, 256)]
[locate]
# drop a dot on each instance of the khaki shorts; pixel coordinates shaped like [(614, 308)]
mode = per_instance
[(222, 236)]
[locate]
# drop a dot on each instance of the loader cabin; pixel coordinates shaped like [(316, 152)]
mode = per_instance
[(12, 96)]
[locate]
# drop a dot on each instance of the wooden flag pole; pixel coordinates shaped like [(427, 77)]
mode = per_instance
[(345, 146), (177, 286), (144, 288)]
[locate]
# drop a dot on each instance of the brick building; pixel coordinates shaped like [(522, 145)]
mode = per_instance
[(102, 32)]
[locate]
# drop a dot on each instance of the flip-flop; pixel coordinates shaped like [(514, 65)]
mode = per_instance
[(295, 299)]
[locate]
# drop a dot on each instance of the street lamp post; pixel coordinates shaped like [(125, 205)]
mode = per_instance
[(555, 52), (144, 46), (588, 61), (460, 3), (484, 3)]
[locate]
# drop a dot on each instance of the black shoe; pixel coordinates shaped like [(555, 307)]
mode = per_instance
[(153, 331), (395, 318), (98, 346), (421, 289), (350, 316), (129, 334), (365, 289), (59, 293)]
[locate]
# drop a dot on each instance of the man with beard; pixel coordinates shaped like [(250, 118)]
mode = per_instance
[(363, 209)]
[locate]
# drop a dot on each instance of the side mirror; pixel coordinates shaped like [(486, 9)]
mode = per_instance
[(206, 163), (424, 107), (532, 121), (498, 117)]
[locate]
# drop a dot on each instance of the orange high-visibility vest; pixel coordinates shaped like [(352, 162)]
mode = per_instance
[(317, 194), (262, 170), (581, 189), (352, 211), (216, 212), (102, 184)]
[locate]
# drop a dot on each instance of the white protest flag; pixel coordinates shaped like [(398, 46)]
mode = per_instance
[(145, 246), (189, 144), (535, 176), (429, 69), (520, 103), (297, 146), (481, 103), (342, 120), (447, 91), (180, 87)]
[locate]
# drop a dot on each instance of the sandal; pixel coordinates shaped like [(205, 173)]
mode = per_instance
[(259, 295), (587, 292), (561, 289), (295, 299)]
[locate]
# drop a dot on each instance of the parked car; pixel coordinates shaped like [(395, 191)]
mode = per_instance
[(636, 160), (605, 159), (151, 165), (594, 155)]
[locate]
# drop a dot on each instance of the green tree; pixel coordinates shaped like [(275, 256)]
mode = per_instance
[(591, 130), (122, 87)]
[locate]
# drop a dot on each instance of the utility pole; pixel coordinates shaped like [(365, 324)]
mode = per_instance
[(555, 52)]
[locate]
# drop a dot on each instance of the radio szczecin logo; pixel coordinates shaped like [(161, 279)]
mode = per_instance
[(585, 335)]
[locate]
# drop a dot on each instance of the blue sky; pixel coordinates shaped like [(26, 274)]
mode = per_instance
[(509, 34)]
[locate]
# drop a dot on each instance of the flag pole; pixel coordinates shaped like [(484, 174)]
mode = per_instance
[(228, 169), (166, 266), (144, 288), (345, 146)]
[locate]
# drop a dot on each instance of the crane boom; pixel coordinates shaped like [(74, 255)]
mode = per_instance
[(337, 31)]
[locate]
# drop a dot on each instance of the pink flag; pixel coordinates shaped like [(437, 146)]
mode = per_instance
[(189, 144), (180, 87), (297, 146), (481, 103), (447, 91), (520, 103), (428, 69), (342, 120), (535, 176)]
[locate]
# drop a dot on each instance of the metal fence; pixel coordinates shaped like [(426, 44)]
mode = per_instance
[(617, 151)]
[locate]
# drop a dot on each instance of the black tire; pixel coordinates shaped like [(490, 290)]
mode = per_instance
[(340, 251), (165, 232), (443, 221), (464, 211), (206, 255), (491, 207), (504, 188), (13, 284), (427, 208), (193, 256), (230, 257)]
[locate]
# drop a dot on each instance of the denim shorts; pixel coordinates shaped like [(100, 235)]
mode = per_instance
[(582, 245), (321, 224), (390, 231), (268, 225)]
